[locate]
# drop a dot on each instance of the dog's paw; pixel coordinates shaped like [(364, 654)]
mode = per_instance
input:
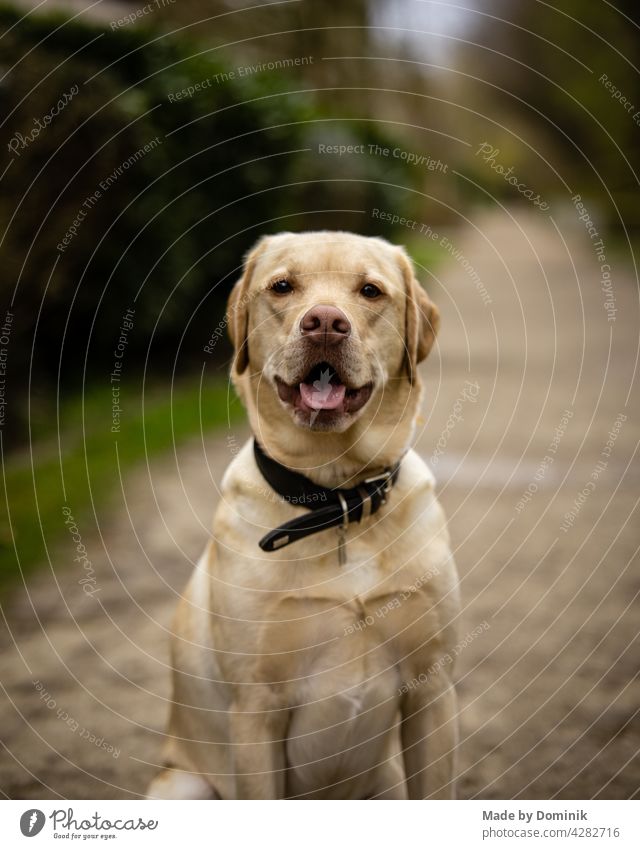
[(178, 784)]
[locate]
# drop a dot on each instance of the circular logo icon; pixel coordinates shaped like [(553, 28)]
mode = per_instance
[(31, 822)]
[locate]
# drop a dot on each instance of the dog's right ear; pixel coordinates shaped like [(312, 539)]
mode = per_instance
[(238, 310)]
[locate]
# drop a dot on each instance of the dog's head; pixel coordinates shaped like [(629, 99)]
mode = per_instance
[(328, 322)]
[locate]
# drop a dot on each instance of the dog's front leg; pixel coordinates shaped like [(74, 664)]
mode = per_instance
[(429, 738), (258, 734)]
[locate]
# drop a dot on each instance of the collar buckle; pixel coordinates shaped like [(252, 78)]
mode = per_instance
[(385, 476), (367, 503), (383, 483)]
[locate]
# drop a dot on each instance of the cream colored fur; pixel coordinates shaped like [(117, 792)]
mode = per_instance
[(293, 676)]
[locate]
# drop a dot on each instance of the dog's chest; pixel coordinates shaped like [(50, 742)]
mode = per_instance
[(348, 638), (315, 614), (320, 617)]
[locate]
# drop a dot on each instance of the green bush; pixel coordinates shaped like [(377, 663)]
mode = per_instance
[(157, 196)]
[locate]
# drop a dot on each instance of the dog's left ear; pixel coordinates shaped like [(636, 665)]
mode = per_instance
[(238, 310), (422, 318)]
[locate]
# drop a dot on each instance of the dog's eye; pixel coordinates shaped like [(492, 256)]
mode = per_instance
[(370, 291), (281, 287)]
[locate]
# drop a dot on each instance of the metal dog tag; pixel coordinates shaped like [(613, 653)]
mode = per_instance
[(342, 547)]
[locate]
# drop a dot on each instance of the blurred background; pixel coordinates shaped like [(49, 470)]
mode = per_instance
[(144, 148)]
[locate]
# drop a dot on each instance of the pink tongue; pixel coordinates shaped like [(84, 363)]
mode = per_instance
[(327, 398)]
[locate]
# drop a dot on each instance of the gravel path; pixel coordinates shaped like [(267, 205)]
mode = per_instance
[(548, 686)]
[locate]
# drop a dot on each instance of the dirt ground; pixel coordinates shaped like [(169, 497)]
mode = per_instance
[(528, 367)]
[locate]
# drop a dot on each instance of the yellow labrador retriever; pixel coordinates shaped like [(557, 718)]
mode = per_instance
[(310, 642)]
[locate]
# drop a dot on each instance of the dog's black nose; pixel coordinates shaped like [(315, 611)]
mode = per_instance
[(325, 325)]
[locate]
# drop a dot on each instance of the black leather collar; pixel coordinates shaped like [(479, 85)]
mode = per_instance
[(329, 508)]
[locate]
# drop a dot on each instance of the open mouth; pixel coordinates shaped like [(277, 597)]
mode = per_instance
[(322, 391)]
